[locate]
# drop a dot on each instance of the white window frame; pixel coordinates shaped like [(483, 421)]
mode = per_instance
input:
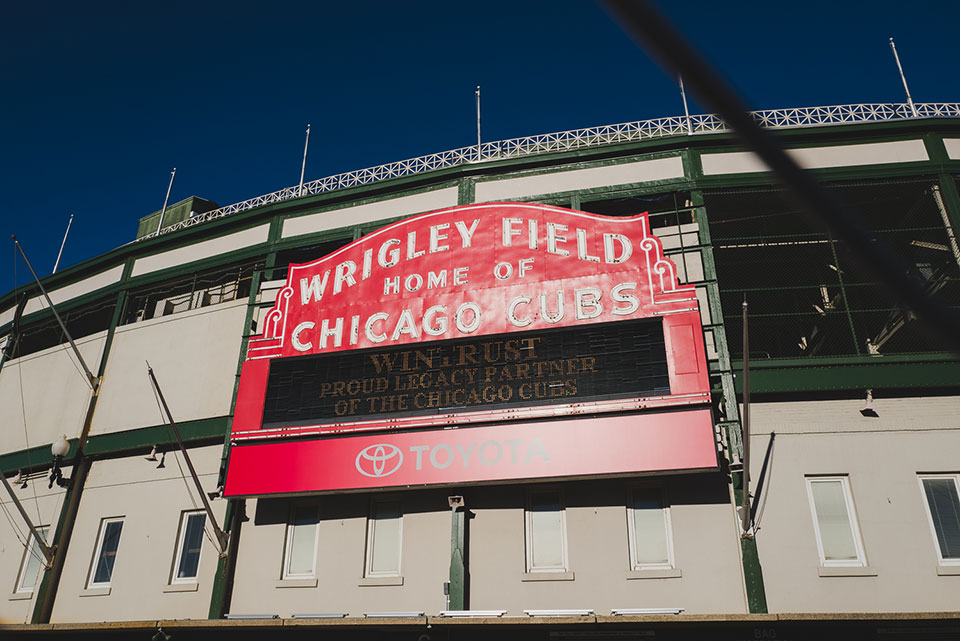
[(368, 572), (288, 543), (528, 531), (98, 548), (926, 506), (861, 560), (27, 555), (181, 540), (659, 491)]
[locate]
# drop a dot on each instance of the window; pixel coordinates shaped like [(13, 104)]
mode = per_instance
[(383, 540), (189, 542), (546, 532), (32, 562), (106, 553), (835, 523), (301, 547), (943, 511), (648, 525)]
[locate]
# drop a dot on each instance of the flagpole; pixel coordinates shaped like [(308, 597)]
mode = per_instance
[(745, 498), (166, 200), (478, 122), (303, 167), (57, 264), (903, 78), (686, 110)]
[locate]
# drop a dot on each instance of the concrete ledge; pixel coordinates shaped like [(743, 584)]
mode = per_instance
[(381, 580), (618, 621), (846, 571), (95, 592), (548, 576), (296, 583), (948, 570), (20, 596), (671, 573), (182, 587)]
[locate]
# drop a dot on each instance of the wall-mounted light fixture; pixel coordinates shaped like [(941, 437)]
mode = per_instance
[(868, 410), (152, 456), (59, 449)]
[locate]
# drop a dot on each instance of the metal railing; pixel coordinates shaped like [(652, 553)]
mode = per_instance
[(793, 118)]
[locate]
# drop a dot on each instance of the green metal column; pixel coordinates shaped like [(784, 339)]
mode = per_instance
[(47, 591), (236, 509), (752, 572), (458, 563)]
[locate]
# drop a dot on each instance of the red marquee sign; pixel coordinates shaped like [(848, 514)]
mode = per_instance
[(492, 270)]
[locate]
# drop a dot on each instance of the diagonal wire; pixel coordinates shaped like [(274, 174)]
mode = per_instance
[(183, 476), (646, 25)]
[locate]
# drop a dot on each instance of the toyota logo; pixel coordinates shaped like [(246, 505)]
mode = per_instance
[(378, 460)]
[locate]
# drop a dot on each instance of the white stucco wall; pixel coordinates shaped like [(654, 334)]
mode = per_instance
[(370, 212), (55, 394), (194, 356), (43, 505), (576, 179), (881, 458), (425, 558), (151, 502)]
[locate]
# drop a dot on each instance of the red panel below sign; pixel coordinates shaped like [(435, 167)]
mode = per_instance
[(653, 442)]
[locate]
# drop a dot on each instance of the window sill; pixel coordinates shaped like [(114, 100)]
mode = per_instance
[(20, 596), (846, 571), (548, 576), (296, 583), (665, 573), (948, 570), (381, 580), (96, 592), (182, 587)]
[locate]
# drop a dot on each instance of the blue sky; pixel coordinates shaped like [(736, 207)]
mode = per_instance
[(102, 99)]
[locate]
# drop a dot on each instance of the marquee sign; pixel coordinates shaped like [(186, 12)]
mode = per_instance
[(471, 315)]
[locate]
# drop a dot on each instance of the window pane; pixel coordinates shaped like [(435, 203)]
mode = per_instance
[(945, 512), (385, 532), (108, 552), (190, 552), (650, 531), (303, 536), (546, 523), (32, 564), (833, 519)]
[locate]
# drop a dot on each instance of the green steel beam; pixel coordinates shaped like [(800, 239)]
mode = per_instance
[(458, 565), (752, 572), (194, 433), (853, 376)]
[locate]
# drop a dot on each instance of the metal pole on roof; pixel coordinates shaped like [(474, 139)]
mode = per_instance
[(222, 537), (62, 244), (303, 167), (686, 110), (478, 121), (94, 382), (166, 200), (903, 78)]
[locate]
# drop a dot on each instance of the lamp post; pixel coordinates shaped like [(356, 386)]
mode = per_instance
[(59, 449)]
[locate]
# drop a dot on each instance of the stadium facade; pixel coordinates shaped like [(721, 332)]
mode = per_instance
[(500, 386)]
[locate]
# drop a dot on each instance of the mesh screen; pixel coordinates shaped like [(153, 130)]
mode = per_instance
[(808, 295)]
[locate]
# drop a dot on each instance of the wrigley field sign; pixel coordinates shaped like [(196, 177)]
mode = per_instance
[(471, 315)]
